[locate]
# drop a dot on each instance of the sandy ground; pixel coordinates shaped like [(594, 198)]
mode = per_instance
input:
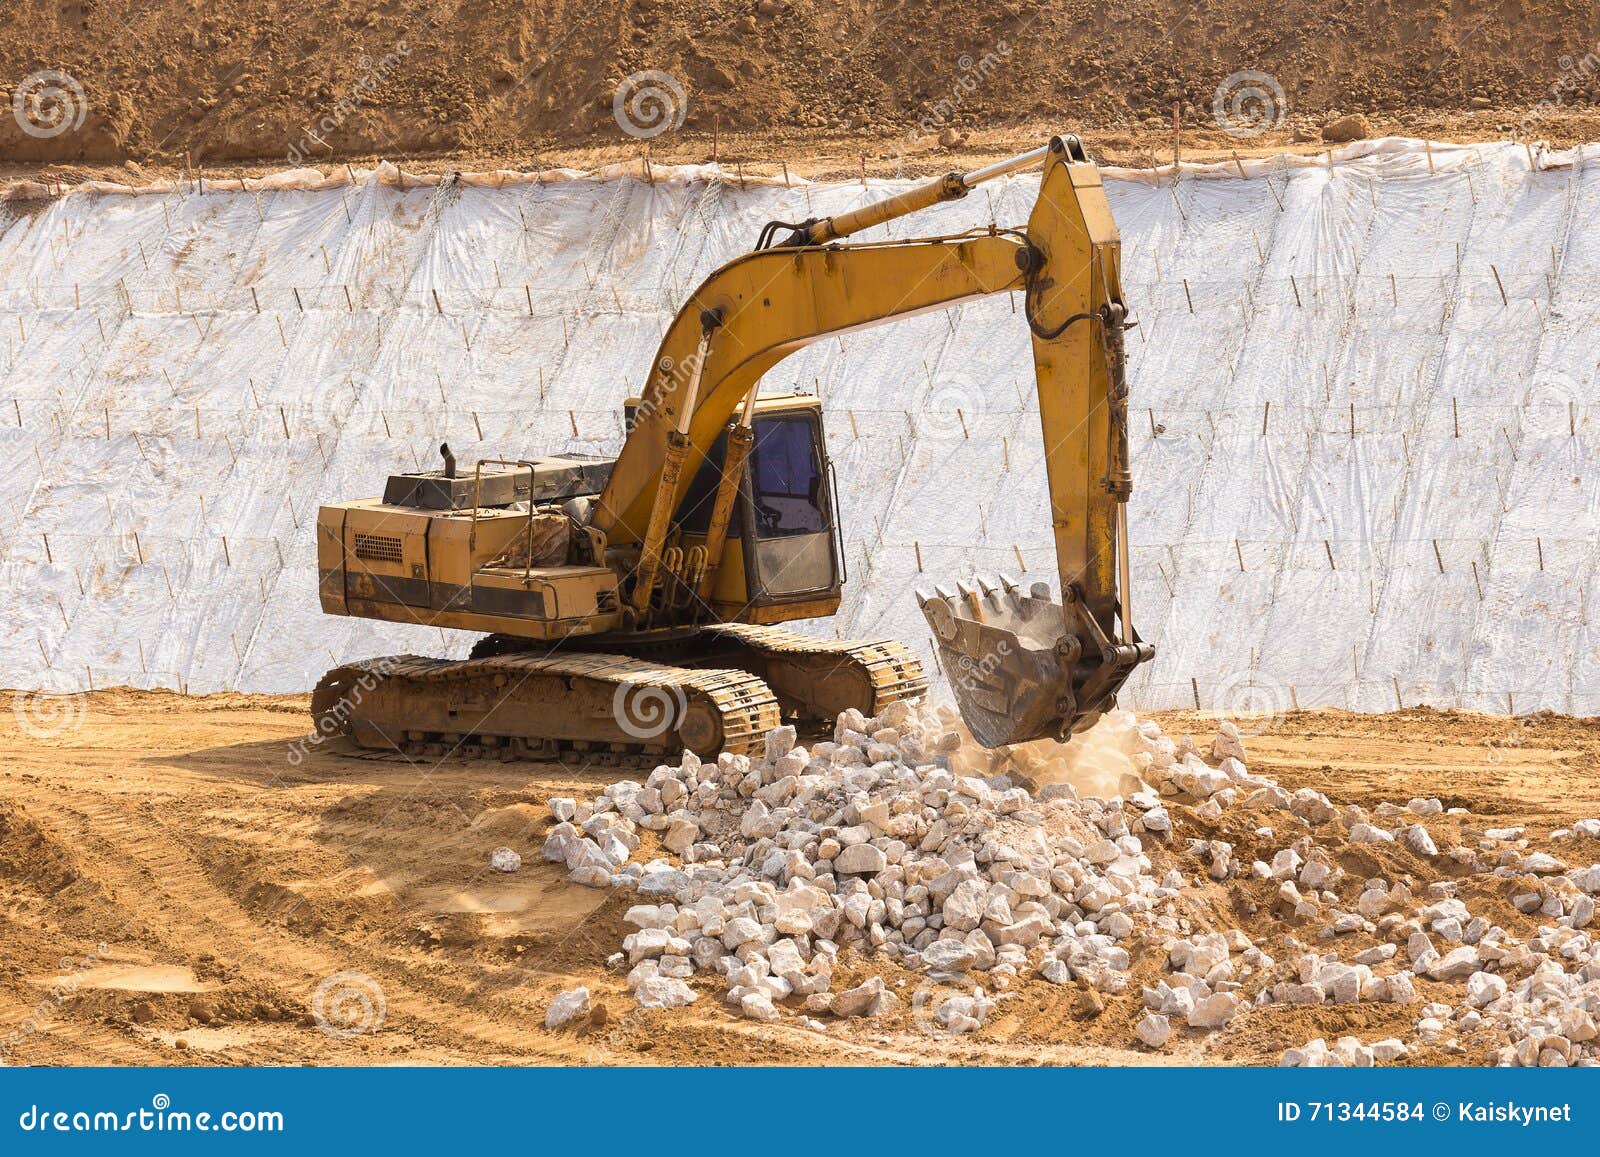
[(174, 891), (228, 81)]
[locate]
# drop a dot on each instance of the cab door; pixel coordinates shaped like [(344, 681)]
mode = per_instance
[(790, 549)]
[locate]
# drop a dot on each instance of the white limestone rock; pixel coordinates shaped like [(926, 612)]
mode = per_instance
[(663, 992), (1228, 744), (681, 834), (949, 955), (1364, 833), (1416, 838), (567, 1007), (860, 860), (861, 1000), (1456, 964), (961, 1014), (1400, 989), (1214, 1011), (1154, 1030), (1484, 988), (780, 741), (758, 1006)]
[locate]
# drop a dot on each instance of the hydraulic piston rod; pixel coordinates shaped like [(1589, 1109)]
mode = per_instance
[(950, 187)]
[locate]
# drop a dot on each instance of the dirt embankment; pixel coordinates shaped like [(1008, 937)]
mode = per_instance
[(232, 81), (173, 889)]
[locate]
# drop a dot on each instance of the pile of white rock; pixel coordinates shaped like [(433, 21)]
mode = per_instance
[(1527, 1001), (869, 841), (881, 842)]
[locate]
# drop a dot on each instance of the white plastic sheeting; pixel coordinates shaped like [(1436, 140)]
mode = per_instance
[(1365, 439)]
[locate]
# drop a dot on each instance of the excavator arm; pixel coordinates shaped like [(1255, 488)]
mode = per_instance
[(754, 312), (1021, 666)]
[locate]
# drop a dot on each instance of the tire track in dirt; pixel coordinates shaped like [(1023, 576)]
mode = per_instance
[(212, 921)]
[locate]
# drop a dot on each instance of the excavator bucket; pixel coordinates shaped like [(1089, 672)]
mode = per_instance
[(1019, 672)]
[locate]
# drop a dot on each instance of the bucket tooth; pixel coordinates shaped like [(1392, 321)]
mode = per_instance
[(970, 597), (941, 616)]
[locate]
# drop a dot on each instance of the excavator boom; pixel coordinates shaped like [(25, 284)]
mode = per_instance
[(1021, 666)]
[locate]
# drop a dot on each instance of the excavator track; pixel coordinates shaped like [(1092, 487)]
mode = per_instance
[(815, 679), (608, 709)]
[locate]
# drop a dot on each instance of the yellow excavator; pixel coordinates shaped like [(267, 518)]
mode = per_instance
[(631, 607)]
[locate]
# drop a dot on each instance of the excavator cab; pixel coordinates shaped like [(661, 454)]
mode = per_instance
[(783, 558)]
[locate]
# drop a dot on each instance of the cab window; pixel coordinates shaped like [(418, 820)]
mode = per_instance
[(786, 478)]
